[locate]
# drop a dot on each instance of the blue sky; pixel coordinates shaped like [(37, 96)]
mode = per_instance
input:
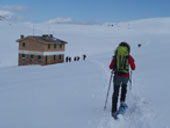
[(87, 10)]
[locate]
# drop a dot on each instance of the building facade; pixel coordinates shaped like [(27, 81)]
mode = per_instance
[(41, 50)]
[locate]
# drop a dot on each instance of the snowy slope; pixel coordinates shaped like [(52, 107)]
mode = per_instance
[(73, 94), (55, 96), (48, 97)]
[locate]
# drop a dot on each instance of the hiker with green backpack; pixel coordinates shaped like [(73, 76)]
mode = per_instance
[(120, 66)]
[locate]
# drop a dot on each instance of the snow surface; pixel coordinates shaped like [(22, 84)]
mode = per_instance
[(72, 95)]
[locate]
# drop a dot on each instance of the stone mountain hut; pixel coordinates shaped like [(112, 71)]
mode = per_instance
[(42, 50)]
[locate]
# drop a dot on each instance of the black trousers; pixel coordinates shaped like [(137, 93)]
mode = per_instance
[(119, 82)]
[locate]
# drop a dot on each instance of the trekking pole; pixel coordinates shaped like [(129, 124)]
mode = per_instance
[(108, 89), (130, 80)]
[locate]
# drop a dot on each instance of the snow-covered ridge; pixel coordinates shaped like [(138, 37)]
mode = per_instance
[(83, 39)]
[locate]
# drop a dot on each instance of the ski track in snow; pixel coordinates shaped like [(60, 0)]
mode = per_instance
[(138, 115)]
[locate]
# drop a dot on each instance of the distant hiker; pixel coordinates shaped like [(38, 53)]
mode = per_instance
[(84, 57), (120, 66), (75, 58), (139, 45), (67, 59), (78, 58)]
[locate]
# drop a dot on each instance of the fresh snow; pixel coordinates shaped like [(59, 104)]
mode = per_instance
[(73, 94)]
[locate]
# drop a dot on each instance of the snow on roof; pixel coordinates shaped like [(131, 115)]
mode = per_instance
[(45, 39)]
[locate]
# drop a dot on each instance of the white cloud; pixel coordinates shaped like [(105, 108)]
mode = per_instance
[(5, 15), (12, 8), (10, 12), (60, 20)]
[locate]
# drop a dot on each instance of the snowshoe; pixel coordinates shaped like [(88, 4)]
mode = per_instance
[(122, 109), (115, 115)]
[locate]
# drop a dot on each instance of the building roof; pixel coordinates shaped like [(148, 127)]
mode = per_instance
[(48, 39)]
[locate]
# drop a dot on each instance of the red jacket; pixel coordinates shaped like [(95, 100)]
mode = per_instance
[(131, 62)]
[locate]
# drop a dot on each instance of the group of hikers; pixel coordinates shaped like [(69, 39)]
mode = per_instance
[(120, 68), (76, 58)]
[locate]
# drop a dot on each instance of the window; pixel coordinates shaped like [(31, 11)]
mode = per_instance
[(23, 56), (23, 44), (59, 57), (32, 56), (54, 57), (55, 46), (39, 57), (61, 45), (49, 46)]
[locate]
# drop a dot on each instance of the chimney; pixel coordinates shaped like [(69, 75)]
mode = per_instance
[(22, 36), (51, 36), (45, 36)]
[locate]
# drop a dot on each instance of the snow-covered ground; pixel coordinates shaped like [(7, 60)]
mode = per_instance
[(73, 94)]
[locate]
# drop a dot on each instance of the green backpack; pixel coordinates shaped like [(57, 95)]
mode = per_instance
[(121, 64)]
